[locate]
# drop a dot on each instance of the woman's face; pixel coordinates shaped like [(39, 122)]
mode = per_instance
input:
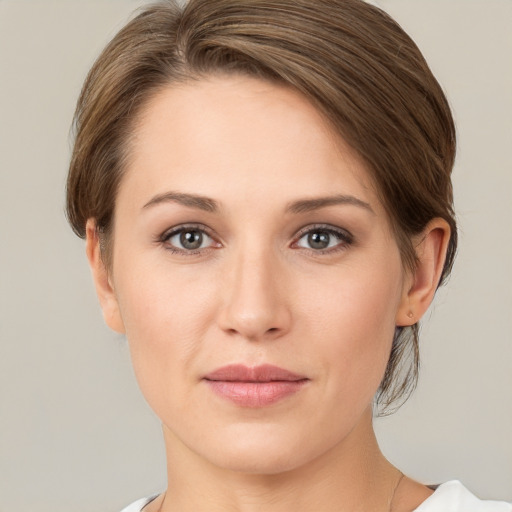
[(247, 235)]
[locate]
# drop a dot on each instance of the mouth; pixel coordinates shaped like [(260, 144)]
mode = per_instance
[(257, 386)]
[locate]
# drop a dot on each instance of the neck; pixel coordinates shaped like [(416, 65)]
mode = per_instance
[(352, 476)]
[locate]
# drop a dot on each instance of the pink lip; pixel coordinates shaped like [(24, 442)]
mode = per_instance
[(254, 387)]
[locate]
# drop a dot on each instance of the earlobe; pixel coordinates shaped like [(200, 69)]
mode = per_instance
[(431, 247), (102, 281)]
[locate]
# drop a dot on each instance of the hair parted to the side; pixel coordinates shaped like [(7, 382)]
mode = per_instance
[(349, 58)]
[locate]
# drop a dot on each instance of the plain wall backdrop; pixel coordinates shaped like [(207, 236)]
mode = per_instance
[(75, 433)]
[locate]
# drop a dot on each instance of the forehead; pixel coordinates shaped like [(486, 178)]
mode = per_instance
[(240, 137)]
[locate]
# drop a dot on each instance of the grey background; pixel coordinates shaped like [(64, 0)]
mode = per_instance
[(75, 433)]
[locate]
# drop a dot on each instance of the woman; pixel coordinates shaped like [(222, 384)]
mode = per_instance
[(265, 193)]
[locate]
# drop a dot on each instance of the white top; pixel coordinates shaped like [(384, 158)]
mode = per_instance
[(454, 497), (449, 497)]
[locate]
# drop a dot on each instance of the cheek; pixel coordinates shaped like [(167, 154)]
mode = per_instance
[(158, 303), (166, 316), (352, 320), (356, 301)]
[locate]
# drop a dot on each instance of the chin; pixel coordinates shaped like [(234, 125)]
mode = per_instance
[(262, 449), (263, 459)]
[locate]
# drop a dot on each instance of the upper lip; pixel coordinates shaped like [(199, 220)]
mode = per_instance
[(262, 373)]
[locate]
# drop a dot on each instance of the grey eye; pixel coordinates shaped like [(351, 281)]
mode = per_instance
[(189, 239), (319, 239)]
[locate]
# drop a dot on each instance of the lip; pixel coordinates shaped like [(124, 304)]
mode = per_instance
[(257, 386)]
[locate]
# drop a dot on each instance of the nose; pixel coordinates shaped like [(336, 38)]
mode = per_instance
[(255, 305)]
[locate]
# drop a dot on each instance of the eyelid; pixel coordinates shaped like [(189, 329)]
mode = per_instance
[(346, 238), (182, 227), (170, 232), (343, 233)]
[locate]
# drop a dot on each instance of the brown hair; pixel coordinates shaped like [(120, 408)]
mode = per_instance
[(349, 58)]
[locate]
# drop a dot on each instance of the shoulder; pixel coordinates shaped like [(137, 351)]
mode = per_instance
[(454, 497), (138, 505)]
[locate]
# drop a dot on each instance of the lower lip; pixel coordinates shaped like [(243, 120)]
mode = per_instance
[(255, 394)]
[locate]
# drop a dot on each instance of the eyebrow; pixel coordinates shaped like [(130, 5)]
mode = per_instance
[(300, 206), (308, 205), (190, 200)]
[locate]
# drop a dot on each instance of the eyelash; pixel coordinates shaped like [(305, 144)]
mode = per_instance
[(344, 237), (167, 235)]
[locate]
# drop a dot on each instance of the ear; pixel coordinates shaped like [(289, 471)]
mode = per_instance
[(421, 285), (102, 280)]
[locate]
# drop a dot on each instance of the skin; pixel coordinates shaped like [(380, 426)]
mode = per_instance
[(257, 292)]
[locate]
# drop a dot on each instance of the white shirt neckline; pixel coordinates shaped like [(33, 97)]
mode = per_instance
[(451, 496)]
